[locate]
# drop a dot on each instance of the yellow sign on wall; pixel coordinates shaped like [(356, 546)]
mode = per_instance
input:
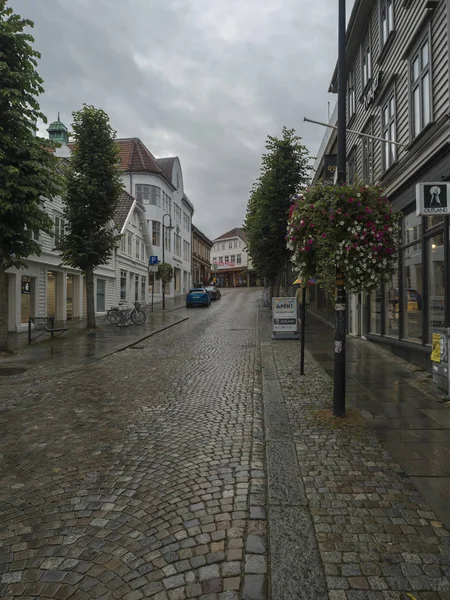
[(436, 348)]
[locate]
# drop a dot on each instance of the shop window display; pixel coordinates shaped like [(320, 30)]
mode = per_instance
[(436, 271), (392, 306), (375, 311), (412, 296)]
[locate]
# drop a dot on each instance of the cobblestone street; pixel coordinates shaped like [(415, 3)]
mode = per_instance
[(142, 475)]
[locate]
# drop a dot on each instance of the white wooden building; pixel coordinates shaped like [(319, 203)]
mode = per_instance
[(157, 183), (46, 287)]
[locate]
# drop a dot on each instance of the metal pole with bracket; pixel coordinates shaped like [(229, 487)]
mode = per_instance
[(340, 301)]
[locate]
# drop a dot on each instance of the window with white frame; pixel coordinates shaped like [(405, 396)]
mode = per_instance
[(143, 252), (387, 20), (123, 285), (235, 243), (122, 243), (148, 194), (420, 87), (138, 249), (186, 250), (351, 94), (34, 234), (367, 155), (227, 259), (366, 60), (156, 233), (223, 246), (167, 203), (167, 239), (130, 244), (230, 244), (59, 228), (221, 260), (232, 258), (388, 114), (177, 211), (177, 244), (238, 259), (186, 221)]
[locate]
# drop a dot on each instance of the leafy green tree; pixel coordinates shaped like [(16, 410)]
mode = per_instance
[(93, 186), (164, 273), (284, 171), (27, 168)]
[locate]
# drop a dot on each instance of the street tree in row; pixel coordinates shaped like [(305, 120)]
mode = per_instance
[(28, 174), (93, 186), (285, 170)]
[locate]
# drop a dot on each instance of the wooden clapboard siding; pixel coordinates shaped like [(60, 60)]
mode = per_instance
[(439, 27), (394, 64)]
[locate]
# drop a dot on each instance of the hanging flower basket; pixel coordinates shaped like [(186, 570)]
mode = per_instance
[(352, 227)]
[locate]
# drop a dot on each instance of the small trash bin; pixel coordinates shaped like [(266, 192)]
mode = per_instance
[(439, 358)]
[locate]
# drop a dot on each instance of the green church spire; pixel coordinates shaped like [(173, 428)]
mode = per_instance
[(58, 132)]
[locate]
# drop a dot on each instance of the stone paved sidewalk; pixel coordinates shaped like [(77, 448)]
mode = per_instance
[(374, 537)]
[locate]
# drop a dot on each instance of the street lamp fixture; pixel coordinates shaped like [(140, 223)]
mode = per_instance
[(170, 227)]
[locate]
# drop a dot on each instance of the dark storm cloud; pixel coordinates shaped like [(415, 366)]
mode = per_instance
[(206, 80)]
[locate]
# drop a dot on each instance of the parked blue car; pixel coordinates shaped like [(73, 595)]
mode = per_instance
[(198, 297)]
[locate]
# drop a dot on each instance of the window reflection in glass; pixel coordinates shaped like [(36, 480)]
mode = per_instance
[(412, 286), (392, 305), (435, 283), (375, 311), (411, 228), (433, 221)]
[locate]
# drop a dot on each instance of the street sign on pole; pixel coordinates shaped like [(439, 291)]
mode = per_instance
[(152, 260), (153, 268)]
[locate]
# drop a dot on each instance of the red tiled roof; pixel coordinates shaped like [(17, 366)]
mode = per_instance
[(135, 157), (236, 232)]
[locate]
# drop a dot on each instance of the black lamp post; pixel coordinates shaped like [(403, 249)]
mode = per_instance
[(340, 302), (170, 227)]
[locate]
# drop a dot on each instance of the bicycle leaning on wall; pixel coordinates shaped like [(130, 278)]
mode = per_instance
[(123, 316)]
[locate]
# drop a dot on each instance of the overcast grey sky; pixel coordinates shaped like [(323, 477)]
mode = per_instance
[(205, 80)]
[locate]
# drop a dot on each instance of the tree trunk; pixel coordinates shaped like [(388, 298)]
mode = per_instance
[(91, 324), (276, 286), (3, 309)]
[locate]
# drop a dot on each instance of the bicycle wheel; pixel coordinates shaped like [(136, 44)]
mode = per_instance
[(112, 316), (138, 316), (124, 318)]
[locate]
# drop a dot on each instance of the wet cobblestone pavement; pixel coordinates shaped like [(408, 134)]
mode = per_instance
[(141, 476), (377, 539), (144, 476)]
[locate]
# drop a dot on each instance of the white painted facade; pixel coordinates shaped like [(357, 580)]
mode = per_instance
[(47, 288), (131, 258), (172, 201), (229, 253)]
